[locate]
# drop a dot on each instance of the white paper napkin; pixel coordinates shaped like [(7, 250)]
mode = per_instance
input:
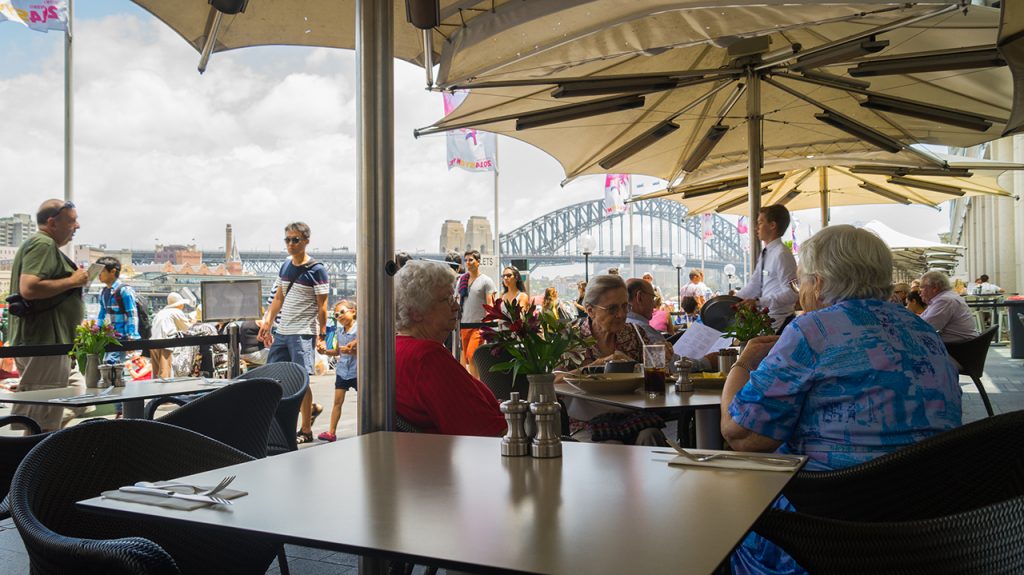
[(724, 463)]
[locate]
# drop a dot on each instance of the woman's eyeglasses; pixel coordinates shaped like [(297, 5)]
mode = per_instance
[(292, 240), (508, 275), (795, 285), (614, 309)]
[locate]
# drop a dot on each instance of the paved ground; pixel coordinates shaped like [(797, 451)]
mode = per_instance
[(1003, 380)]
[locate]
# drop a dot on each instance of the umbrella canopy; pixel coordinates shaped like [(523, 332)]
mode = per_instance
[(914, 256), (477, 38), (838, 184), (668, 112), (1011, 46)]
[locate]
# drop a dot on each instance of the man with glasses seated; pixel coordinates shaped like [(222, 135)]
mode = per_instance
[(300, 297), (52, 285)]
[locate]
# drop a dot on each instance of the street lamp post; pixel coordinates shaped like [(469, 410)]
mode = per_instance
[(679, 261), (730, 270), (587, 245)]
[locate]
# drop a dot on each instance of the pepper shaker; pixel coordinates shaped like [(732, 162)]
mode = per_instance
[(547, 443), (515, 443)]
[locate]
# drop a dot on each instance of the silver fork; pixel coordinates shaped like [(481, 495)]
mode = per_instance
[(195, 489), (766, 459)]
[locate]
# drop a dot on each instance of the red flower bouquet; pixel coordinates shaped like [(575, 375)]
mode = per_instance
[(535, 342)]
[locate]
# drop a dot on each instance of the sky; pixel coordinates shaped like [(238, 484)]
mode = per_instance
[(265, 137)]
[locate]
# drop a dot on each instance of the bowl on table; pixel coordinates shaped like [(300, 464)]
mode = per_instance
[(607, 382), (620, 366)]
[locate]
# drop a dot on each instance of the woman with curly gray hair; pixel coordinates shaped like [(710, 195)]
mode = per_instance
[(433, 391), (853, 378)]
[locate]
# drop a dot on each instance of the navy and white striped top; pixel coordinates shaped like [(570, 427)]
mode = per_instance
[(299, 311)]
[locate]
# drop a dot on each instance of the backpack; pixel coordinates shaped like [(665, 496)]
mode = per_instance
[(141, 310)]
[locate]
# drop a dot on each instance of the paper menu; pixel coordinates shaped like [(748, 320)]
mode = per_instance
[(94, 271), (700, 340)]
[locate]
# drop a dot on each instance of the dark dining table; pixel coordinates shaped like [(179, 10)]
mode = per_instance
[(703, 405), (133, 394), (455, 502)]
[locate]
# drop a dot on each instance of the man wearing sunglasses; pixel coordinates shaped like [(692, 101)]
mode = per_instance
[(52, 285), (300, 296)]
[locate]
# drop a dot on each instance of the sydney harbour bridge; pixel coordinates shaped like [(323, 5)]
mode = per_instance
[(661, 229)]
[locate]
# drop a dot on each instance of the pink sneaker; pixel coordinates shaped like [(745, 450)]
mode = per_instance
[(327, 436)]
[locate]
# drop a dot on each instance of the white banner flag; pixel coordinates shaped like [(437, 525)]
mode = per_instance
[(616, 188), (40, 15), (469, 149)]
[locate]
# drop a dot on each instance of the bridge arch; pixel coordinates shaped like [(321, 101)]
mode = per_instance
[(558, 231)]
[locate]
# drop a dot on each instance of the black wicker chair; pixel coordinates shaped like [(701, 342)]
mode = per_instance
[(971, 356), (294, 383), (81, 462), (979, 464), (986, 540), (403, 425), (12, 450), (499, 383), (239, 414)]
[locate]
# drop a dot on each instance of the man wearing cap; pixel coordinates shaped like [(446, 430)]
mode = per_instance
[(167, 322), (52, 285)]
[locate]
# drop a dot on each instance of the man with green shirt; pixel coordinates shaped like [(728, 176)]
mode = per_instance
[(52, 283)]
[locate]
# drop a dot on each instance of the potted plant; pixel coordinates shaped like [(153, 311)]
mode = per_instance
[(748, 323), (91, 340), (534, 343)]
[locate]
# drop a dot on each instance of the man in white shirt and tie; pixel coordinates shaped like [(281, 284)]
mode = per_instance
[(769, 285)]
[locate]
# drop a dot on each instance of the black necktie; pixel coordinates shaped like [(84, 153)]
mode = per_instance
[(760, 276)]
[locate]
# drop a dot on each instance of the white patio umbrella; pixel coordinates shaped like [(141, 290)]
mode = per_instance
[(915, 255), (479, 37), (883, 81), (1011, 46), (839, 182)]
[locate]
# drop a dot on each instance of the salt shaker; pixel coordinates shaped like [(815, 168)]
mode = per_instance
[(683, 368), (515, 443), (547, 443)]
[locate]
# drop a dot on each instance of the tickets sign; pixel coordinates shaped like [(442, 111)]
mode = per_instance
[(40, 15)]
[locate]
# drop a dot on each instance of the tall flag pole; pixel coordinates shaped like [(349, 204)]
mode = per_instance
[(69, 106), (632, 245)]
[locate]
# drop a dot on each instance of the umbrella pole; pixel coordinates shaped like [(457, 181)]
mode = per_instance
[(823, 190), (754, 155), (375, 208)]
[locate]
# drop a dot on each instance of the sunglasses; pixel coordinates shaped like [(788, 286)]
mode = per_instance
[(508, 275), (66, 206), (292, 240)]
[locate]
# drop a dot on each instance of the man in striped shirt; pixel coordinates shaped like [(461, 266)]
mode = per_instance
[(300, 297)]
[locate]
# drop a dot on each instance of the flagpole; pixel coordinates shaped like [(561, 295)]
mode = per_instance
[(69, 114), (704, 241), (632, 246), (497, 237), (69, 106)]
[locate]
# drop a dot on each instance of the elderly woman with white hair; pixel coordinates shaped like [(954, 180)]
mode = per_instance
[(853, 378), (606, 302), (432, 390)]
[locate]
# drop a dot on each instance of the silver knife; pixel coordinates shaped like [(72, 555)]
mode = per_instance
[(168, 493)]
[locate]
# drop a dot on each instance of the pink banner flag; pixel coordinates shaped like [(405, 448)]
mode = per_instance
[(616, 188), (39, 15), (741, 226), (706, 223), (468, 149)]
